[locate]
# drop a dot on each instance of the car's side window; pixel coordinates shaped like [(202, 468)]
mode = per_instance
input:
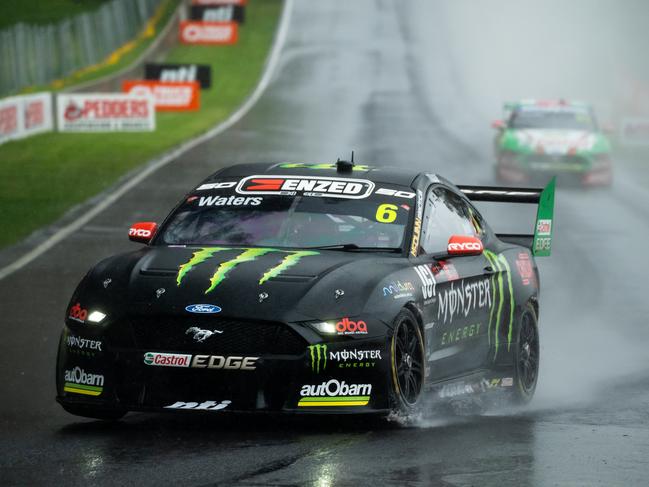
[(445, 214)]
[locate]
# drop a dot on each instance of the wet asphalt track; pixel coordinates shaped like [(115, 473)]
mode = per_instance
[(380, 80)]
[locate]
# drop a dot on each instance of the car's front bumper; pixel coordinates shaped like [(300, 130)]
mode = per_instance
[(114, 376)]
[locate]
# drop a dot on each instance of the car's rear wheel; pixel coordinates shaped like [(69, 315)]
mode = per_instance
[(95, 413), (526, 357), (407, 362)]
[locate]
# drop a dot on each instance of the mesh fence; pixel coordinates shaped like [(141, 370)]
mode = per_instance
[(38, 54)]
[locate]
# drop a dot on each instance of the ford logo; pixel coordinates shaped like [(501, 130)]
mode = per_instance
[(203, 308)]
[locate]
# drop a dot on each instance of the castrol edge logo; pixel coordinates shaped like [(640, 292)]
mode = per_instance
[(307, 186)]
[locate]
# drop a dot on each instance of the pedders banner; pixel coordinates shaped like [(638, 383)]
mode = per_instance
[(105, 112), (23, 116), (168, 95), (220, 33)]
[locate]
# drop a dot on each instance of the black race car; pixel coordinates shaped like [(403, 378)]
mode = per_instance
[(319, 288)]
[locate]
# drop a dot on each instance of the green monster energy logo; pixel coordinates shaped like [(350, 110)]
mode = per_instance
[(500, 265), (318, 355), (248, 255)]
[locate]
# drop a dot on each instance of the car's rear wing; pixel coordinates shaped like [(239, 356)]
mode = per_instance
[(541, 241)]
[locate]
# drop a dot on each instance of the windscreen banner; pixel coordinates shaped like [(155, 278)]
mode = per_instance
[(219, 33), (105, 112), (168, 96), (24, 116)]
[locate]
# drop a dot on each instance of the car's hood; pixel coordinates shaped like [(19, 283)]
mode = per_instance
[(552, 141), (259, 283)]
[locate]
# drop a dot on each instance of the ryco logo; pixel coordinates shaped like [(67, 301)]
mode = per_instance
[(77, 313), (139, 232), (314, 186), (349, 327), (465, 246)]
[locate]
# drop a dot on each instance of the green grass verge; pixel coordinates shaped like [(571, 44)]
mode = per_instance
[(43, 176)]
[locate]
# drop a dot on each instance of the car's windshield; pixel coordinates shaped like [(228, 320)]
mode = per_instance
[(260, 213), (552, 118)]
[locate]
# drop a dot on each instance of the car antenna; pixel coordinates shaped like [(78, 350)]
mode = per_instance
[(345, 166)]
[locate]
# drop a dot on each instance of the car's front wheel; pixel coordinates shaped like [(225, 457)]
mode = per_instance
[(407, 362)]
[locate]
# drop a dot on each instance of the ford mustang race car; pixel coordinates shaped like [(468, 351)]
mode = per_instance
[(542, 139), (316, 288)]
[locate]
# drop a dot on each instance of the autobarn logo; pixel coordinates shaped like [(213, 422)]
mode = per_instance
[(335, 393), (306, 186), (78, 381)]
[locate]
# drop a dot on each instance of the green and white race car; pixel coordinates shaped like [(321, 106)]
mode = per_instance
[(541, 139)]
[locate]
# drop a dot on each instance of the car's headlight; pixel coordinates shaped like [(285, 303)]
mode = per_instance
[(96, 317), (324, 327)]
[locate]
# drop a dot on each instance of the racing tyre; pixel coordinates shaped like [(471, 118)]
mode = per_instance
[(407, 362), (526, 357), (90, 412)]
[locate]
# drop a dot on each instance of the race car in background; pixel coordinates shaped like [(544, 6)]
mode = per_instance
[(538, 140), (310, 288)]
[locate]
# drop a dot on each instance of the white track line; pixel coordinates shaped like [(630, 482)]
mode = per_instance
[(156, 164)]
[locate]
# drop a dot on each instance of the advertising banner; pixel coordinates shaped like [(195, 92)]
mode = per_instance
[(179, 72), (38, 115), (10, 119), (105, 112), (193, 32), (23, 116), (168, 96), (223, 12)]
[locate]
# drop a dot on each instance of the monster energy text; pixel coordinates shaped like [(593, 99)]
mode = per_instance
[(346, 359)]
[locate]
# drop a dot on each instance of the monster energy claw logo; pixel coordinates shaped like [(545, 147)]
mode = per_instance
[(248, 255), (500, 264), (318, 355)]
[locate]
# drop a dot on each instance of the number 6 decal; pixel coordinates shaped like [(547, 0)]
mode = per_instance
[(386, 213)]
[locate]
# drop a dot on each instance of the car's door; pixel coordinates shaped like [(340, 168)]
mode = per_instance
[(457, 310)]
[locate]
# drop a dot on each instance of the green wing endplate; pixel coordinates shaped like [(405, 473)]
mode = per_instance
[(544, 222)]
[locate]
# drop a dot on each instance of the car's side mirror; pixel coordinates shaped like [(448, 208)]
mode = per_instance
[(142, 232), (498, 124), (464, 245)]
